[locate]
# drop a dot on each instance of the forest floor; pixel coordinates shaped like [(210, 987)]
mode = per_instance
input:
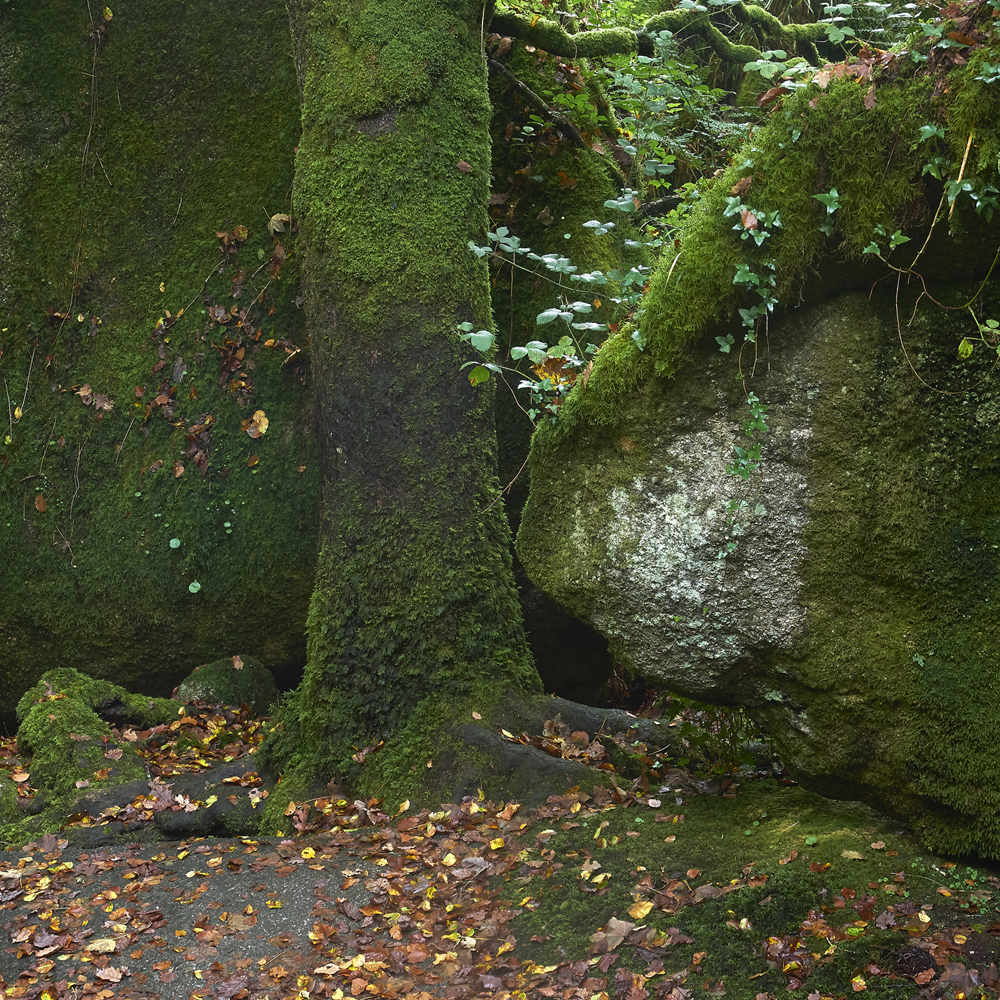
[(692, 886)]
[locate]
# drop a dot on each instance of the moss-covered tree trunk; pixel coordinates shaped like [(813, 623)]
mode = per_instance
[(414, 603)]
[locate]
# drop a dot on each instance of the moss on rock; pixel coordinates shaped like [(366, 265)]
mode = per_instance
[(128, 144), (68, 683), (225, 683), (875, 482)]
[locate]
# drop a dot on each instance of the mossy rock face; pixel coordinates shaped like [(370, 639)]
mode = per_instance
[(111, 701), (9, 811), (852, 618), (142, 529), (230, 681)]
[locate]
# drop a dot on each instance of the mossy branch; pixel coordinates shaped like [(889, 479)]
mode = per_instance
[(693, 22), (557, 40)]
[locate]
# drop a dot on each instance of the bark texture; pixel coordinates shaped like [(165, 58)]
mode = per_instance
[(414, 601)]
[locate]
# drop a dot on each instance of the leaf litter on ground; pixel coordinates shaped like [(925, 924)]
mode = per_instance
[(629, 891)]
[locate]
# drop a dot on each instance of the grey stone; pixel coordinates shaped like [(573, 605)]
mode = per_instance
[(855, 616)]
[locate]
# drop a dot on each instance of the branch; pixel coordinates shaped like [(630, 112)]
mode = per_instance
[(661, 206), (556, 40), (541, 107)]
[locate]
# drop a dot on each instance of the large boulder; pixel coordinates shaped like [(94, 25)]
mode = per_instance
[(853, 618), (147, 521)]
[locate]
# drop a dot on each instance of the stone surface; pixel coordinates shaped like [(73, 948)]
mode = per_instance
[(853, 617), (233, 681)]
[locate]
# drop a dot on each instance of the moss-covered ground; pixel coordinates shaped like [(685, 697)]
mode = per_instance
[(771, 892), (700, 885)]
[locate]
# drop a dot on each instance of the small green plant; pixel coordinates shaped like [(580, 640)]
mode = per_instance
[(720, 736)]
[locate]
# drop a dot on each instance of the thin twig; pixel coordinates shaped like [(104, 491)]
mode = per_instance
[(961, 172), (181, 202), (27, 381), (76, 474), (506, 489), (93, 104), (46, 448), (72, 558), (106, 177), (122, 445), (10, 412)]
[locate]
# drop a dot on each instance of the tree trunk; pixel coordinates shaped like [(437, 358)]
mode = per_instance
[(414, 607)]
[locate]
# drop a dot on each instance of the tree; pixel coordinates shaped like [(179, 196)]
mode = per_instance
[(414, 618), (414, 595)]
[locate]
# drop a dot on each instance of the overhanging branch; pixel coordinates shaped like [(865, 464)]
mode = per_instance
[(556, 40)]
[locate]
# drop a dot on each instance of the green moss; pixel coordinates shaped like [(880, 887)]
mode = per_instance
[(51, 733), (9, 811), (764, 841), (223, 683), (91, 693), (815, 142), (117, 183), (901, 570)]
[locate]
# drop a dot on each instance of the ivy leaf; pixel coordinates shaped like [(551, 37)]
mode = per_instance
[(479, 374), (831, 200)]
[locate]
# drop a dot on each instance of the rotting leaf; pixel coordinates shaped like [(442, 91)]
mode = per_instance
[(277, 223), (256, 426)]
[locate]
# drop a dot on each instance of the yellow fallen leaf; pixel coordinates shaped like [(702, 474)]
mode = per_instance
[(852, 855), (103, 946), (448, 860), (276, 224), (639, 911)]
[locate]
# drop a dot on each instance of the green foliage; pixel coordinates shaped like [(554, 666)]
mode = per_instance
[(722, 739), (667, 114)]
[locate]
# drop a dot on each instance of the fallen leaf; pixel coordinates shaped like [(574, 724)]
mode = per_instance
[(463, 166), (40, 503), (771, 95), (103, 946), (276, 224), (256, 426)]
